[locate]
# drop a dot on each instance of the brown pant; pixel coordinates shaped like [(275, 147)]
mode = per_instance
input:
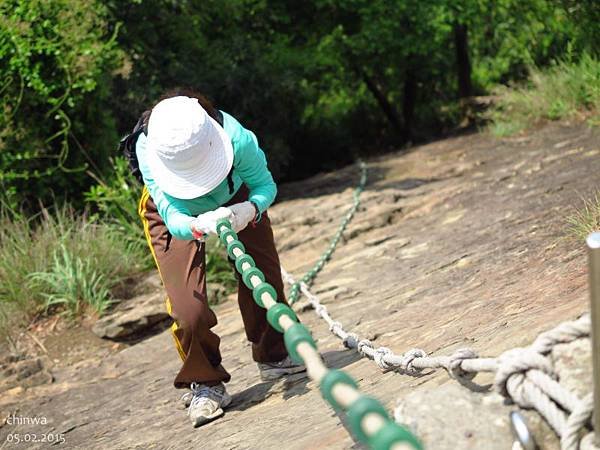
[(182, 269)]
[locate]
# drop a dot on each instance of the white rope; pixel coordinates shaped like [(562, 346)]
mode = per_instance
[(525, 375)]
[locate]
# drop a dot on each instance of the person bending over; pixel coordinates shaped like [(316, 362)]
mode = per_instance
[(200, 165)]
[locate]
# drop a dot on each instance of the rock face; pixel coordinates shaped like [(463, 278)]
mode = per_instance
[(136, 316), (451, 416), (458, 243), (21, 372)]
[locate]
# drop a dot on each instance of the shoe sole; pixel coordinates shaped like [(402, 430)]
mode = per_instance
[(276, 375), (202, 420)]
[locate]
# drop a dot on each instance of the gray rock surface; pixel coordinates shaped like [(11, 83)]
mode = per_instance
[(457, 243), (137, 315), (23, 372), (451, 414)]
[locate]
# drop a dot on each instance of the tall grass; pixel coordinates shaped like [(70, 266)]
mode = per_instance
[(562, 91), (60, 261), (585, 219)]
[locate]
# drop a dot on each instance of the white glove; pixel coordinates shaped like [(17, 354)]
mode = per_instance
[(243, 214), (206, 223)]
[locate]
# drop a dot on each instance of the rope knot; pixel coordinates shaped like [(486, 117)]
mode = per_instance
[(408, 358), (512, 368), (351, 340), (454, 367), (379, 358), (362, 346), (320, 310), (335, 327)]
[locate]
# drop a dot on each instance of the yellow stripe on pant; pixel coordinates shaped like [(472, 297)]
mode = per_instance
[(142, 212)]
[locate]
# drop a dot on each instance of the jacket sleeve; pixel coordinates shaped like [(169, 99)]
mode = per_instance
[(251, 165), (176, 218)]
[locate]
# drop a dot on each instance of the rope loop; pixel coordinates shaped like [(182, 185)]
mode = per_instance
[(379, 358), (362, 345), (408, 359), (518, 361), (577, 420), (587, 443), (455, 360), (563, 333)]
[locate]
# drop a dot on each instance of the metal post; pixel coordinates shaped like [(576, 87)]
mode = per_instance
[(593, 243)]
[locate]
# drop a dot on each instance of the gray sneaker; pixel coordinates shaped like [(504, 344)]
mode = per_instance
[(275, 370), (206, 403)]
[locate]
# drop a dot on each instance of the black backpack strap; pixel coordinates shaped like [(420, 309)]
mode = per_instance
[(128, 142), (230, 181), (219, 117), (143, 121)]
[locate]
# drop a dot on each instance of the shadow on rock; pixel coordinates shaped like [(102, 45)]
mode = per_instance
[(290, 386), (330, 183), (338, 359)]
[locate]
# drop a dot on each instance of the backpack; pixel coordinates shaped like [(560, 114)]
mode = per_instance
[(127, 147)]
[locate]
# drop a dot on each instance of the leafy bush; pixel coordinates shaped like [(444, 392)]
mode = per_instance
[(555, 93), (57, 56)]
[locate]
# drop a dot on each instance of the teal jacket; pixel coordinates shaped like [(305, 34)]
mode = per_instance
[(249, 167)]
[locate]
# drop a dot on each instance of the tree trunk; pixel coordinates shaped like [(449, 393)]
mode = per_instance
[(463, 62), (408, 101), (388, 109)]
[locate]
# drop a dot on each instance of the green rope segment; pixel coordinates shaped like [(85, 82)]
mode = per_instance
[(309, 277), (388, 436)]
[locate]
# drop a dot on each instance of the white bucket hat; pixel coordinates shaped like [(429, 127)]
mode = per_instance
[(189, 153)]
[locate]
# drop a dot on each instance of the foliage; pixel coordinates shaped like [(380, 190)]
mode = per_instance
[(72, 283), (585, 219), (323, 80), (318, 81), (72, 256), (555, 93), (57, 60), (116, 201)]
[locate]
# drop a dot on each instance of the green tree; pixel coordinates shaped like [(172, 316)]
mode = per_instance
[(57, 60)]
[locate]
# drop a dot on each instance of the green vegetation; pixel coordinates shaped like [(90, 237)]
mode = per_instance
[(116, 202), (319, 81), (60, 261), (585, 219), (565, 90), (57, 60)]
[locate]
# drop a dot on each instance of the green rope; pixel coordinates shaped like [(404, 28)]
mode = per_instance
[(309, 277), (391, 433)]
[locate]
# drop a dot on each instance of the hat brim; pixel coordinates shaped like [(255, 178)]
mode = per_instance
[(201, 178)]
